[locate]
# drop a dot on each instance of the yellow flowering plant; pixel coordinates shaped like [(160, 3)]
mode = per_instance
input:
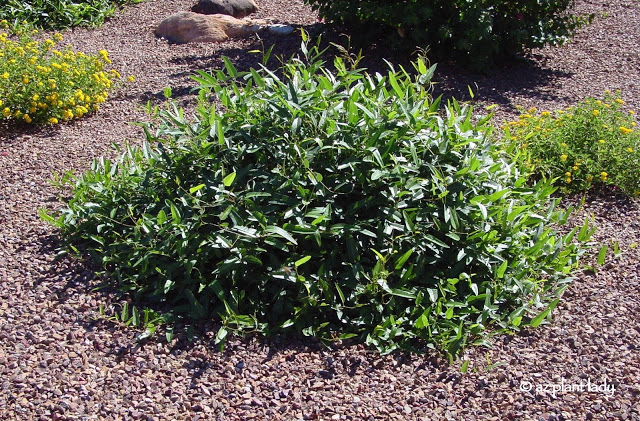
[(42, 84), (593, 143)]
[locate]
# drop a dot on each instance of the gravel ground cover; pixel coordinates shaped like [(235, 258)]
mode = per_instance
[(59, 360)]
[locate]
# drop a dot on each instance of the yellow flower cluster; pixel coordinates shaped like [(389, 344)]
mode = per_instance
[(41, 84), (595, 140), (625, 130)]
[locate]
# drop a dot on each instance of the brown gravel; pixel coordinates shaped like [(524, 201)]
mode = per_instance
[(59, 360)]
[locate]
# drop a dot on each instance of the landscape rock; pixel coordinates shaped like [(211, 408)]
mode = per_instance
[(278, 29), (235, 8), (186, 27)]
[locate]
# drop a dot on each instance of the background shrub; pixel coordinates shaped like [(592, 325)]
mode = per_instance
[(333, 204), (59, 14), (594, 143), (474, 33), (39, 84)]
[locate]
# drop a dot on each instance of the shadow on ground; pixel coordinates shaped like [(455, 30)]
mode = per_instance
[(524, 77)]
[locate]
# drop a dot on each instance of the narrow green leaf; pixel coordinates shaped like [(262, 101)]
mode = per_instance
[(196, 188), (433, 294), (421, 67), (449, 313), (501, 269), (583, 235), (135, 317), (124, 314), (401, 261), (535, 322), (281, 232), (340, 293), (228, 180), (498, 195), (231, 70), (423, 320), (161, 218), (221, 335), (602, 254), (97, 239), (616, 250), (148, 332), (46, 217), (302, 261), (219, 132), (403, 293), (483, 210), (175, 213), (394, 84), (251, 195)]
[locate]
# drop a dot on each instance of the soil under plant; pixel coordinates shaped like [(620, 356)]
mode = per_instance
[(59, 359)]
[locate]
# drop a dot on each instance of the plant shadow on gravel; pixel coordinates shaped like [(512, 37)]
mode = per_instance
[(77, 276), (73, 276), (522, 76), (12, 131), (523, 79), (347, 360), (613, 196)]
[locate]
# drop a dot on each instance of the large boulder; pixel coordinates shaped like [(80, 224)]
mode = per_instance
[(235, 8), (185, 27)]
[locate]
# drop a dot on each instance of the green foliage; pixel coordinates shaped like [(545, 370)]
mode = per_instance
[(474, 33), (336, 204), (39, 84), (58, 14), (594, 143), (149, 320)]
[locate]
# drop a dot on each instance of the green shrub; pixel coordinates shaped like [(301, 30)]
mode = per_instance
[(333, 204), (39, 84), (474, 33), (594, 143), (59, 14)]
